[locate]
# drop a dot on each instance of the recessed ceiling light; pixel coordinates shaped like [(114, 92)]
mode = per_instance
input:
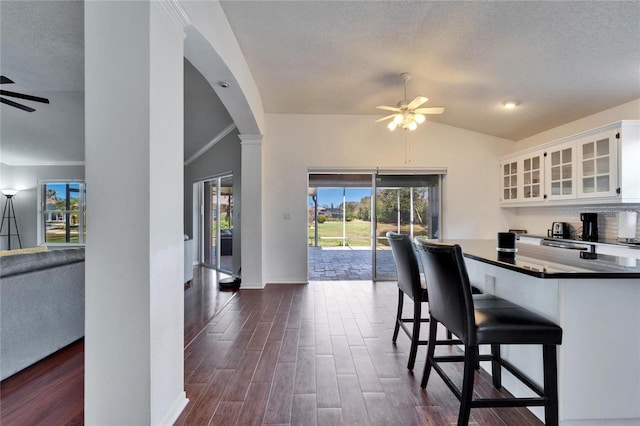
[(224, 84), (510, 104)]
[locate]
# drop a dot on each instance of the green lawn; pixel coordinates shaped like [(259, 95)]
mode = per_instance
[(357, 232)]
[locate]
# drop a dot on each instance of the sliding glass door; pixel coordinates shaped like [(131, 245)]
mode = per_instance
[(217, 223), (407, 204), (350, 214)]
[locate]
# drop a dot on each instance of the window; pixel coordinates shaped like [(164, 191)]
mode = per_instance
[(62, 213)]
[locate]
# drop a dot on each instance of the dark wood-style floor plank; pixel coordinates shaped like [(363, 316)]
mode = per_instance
[(238, 384), (326, 382), (330, 417), (354, 410), (305, 379), (303, 410), (255, 404), (378, 407), (342, 355), (267, 364), (278, 409)]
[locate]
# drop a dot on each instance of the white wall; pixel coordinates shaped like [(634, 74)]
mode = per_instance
[(536, 220), (627, 111), (25, 179), (295, 143)]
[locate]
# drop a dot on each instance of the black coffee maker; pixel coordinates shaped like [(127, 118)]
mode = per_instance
[(589, 226)]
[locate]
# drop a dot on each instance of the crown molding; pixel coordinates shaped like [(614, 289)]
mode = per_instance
[(174, 10), (211, 143)]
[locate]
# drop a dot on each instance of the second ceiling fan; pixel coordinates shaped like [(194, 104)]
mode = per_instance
[(408, 115), (6, 80)]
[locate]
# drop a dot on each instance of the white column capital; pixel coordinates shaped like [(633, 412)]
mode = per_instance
[(251, 139)]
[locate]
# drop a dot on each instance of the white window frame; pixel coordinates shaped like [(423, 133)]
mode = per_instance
[(41, 231)]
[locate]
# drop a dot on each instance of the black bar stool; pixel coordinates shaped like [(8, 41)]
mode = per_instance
[(410, 283), (484, 319)]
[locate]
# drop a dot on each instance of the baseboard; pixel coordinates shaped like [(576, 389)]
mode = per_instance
[(176, 409)]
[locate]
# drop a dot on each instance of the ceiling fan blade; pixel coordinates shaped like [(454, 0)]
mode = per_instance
[(17, 105), (25, 97), (419, 100), (388, 108), (384, 118), (5, 80), (438, 110)]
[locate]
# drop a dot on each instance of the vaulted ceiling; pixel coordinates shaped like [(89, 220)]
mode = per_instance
[(562, 60)]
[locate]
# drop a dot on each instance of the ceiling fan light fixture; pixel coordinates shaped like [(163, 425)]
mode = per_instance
[(408, 114)]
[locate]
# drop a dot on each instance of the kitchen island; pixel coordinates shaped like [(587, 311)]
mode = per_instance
[(597, 303)]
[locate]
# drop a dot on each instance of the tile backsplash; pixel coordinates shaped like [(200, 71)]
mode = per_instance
[(537, 220)]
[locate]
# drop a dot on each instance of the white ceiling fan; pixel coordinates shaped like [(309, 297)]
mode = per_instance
[(407, 114)]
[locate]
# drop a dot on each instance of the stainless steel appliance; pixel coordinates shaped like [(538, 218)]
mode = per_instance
[(559, 230), (589, 226)]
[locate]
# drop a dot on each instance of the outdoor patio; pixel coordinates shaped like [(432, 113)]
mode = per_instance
[(347, 263)]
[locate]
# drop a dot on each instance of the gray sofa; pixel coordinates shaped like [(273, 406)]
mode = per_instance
[(41, 306)]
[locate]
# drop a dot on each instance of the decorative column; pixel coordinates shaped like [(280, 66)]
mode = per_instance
[(251, 213), (134, 321)]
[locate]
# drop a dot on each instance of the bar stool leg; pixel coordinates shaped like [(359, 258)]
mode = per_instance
[(470, 361), (496, 370), (415, 336), (549, 359), (431, 349), (399, 315)]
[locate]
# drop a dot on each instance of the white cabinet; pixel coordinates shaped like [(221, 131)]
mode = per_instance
[(522, 178), (509, 181), (598, 166), (561, 172), (533, 177)]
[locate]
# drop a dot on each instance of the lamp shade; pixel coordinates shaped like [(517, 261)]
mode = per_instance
[(9, 192)]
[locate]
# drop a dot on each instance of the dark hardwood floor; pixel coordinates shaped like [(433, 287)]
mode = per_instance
[(202, 300), (289, 354), (319, 354)]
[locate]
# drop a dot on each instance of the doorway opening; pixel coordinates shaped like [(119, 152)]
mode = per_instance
[(349, 215), (217, 224)]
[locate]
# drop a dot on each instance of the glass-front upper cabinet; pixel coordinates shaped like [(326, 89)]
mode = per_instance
[(597, 165), (533, 177), (509, 170), (522, 178), (561, 172)]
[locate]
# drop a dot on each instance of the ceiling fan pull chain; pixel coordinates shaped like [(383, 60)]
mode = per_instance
[(407, 150)]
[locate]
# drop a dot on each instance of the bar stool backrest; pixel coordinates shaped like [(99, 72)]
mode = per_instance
[(406, 265), (450, 300)]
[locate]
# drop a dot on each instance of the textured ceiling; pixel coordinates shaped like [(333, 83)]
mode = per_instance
[(42, 51), (562, 59)]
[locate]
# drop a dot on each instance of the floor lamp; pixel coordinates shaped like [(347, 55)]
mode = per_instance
[(8, 214)]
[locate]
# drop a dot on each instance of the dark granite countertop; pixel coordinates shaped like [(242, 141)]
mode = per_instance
[(551, 262)]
